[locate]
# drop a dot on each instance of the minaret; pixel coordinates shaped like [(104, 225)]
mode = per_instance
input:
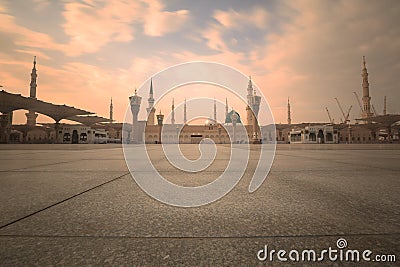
[(135, 101), (250, 92), (31, 115), (215, 111), (253, 106), (173, 112), (226, 107), (249, 112), (33, 84), (184, 112), (111, 111), (289, 119), (366, 98), (150, 110)]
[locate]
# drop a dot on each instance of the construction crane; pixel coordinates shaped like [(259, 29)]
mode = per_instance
[(341, 109), (345, 117), (373, 108), (329, 115), (358, 100), (348, 113)]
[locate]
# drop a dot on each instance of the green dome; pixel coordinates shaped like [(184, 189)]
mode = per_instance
[(228, 117)]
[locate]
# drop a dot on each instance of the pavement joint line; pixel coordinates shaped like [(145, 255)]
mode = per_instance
[(42, 165), (106, 159), (198, 237), (346, 163), (65, 171), (64, 200)]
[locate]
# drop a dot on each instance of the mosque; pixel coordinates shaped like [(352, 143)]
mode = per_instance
[(371, 127), (154, 130)]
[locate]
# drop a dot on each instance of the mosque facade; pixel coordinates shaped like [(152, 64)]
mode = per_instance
[(370, 128), (233, 130)]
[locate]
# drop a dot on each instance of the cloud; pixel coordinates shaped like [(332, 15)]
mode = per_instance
[(23, 36), (314, 59), (37, 53), (257, 17), (247, 21), (158, 22), (93, 24), (308, 50)]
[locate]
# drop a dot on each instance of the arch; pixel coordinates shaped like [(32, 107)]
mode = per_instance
[(321, 138), (75, 137), (312, 137)]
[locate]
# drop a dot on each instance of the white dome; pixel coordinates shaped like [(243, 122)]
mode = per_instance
[(209, 121)]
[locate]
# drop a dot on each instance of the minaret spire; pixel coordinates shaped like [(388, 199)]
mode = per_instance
[(150, 100), (150, 109), (31, 115), (33, 84), (184, 113), (289, 119), (111, 111), (173, 112), (366, 98), (215, 111)]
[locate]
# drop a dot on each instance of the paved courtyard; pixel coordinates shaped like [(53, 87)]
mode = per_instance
[(78, 205)]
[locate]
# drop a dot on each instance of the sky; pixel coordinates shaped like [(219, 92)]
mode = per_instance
[(311, 51)]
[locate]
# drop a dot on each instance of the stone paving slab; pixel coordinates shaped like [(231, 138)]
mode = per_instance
[(310, 199), (22, 193)]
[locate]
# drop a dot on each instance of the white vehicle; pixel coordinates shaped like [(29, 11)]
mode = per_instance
[(100, 137)]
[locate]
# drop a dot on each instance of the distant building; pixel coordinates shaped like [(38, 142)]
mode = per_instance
[(316, 134), (81, 134)]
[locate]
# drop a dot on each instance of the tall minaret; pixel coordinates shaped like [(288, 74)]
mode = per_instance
[(173, 112), (250, 92), (289, 119), (184, 113), (215, 111), (111, 111), (150, 100), (226, 107), (366, 98), (150, 109), (135, 101), (249, 111), (31, 115), (33, 84)]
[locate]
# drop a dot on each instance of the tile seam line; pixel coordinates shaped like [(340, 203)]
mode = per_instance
[(198, 237), (64, 200), (42, 165)]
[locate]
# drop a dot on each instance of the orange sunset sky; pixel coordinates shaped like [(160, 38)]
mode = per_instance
[(311, 51)]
